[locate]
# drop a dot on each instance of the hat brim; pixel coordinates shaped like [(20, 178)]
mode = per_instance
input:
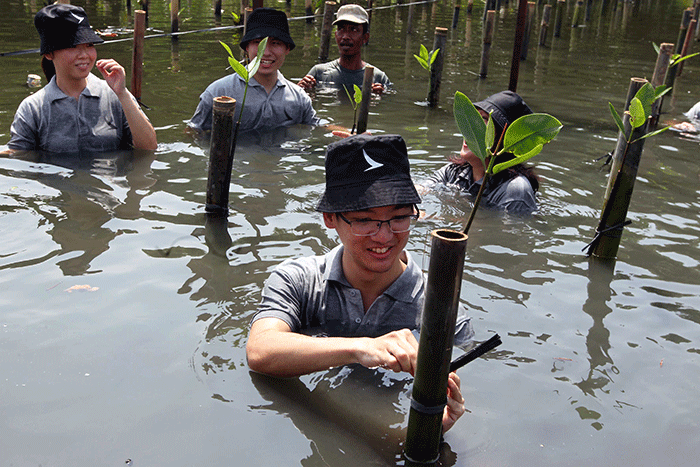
[(81, 36), (266, 31), (382, 192)]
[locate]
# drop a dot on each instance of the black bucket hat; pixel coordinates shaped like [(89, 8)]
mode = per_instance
[(505, 108), (267, 22), (63, 26), (365, 171)]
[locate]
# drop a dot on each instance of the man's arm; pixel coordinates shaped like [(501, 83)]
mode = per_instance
[(275, 350)]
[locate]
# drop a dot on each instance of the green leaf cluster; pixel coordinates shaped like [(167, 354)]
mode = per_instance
[(675, 58), (640, 110), (426, 58), (252, 68), (355, 100)]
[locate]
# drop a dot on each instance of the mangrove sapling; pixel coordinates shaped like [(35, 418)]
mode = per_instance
[(524, 138), (245, 73), (426, 59), (675, 58), (355, 100)]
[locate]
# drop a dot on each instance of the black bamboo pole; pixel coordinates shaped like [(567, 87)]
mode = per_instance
[(660, 70), (328, 12), (137, 55), (435, 345), (544, 25), (686, 44), (363, 115), (221, 151), (559, 17), (487, 40), (436, 68), (528, 29), (517, 46)]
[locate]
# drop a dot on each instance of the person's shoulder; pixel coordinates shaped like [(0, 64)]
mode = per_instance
[(225, 84), (518, 184)]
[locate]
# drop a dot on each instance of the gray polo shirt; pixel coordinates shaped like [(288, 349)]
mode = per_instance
[(52, 121), (312, 295), (287, 104), (333, 73), (514, 195)]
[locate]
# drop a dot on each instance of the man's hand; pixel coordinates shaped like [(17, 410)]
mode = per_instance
[(377, 88), (455, 403), (307, 82), (396, 351)]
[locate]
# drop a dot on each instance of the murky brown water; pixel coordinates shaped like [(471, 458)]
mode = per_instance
[(147, 362)]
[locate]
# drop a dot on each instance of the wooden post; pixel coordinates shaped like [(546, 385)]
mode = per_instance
[(409, 20), (257, 4), (174, 16), (546, 14), (217, 8), (309, 11), (517, 46), (488, 38), (660, 70), (436, 69), (144, 7), (137, 56), (221, 151), (328, 12), (435, 345), (577, 14), (246, 14), (470, 6), (455, 15), (686, 44), (559, 17), (528, 29), (363, 115)]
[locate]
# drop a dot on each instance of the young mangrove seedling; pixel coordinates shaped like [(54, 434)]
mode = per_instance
[(639, 112), (426, 59), (524, 138), (355, 100), (675, 58), (246, 73)]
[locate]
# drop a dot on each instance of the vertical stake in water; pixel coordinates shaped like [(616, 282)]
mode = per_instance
[(486, 47), (435, 345), (660, 70), (436, 69), (685, 50), (518, 45), (623, 173), (217, 9), (174, 17), (309, 11), (363, 115), (221, 151), (577, 14), (455, 15), (328, 12), (559, 17), (137, 56), (528, 29), (544, 26)]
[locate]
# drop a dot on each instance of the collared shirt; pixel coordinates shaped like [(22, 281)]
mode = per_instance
[(312, 295), (52, 121), (514, 195), (333, 73), (287, 104)]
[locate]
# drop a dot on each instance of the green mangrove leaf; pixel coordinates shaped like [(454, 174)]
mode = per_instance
[(255, 64), (433, 56), (471, 125), (422, 62), (677, 60), (529, 131), (653, 133), (618, 120), (358, 94), (638, 116), (661, 90), (490, 136), (522, 158), (238, 68), (646, 96), (656, 47)]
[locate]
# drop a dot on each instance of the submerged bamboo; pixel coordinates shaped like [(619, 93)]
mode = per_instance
[(544, 26), (488, 38), (436, 68), (328, 12), (221, 151), (137, 55), (435, 345), (367, 82), (559, 17), (686, 45), (528, 29), (660, 70)]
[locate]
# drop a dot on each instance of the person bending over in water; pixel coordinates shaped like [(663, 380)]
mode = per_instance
[(76, 111), (512, 190), (365, 295)]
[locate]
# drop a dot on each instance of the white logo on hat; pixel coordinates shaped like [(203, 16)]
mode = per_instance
[(372, 163), (79, 18)]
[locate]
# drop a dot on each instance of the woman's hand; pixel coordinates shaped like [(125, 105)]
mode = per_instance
[(113, 73)]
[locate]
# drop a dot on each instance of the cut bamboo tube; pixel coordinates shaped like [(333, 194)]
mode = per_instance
[(363, 114), (436, 69), (221, 151), (544, 25), (137, 55)]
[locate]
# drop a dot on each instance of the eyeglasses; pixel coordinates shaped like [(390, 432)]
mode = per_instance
[(369, 227)]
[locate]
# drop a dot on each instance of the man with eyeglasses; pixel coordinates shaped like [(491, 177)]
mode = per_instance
[(364, 296)]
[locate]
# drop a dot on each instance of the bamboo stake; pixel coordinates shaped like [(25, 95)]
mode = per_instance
[(436, 69), (528, 29), (577, 14), (217, 8), (174, 17), (455, 15), (309, 9), (137, 55), (470, 6), (435, 345), (328, 12), (220, 155), (660, 70), (621, 182), (546, 14), (517, 47), (488, 38), (367, 82), (686, 45)]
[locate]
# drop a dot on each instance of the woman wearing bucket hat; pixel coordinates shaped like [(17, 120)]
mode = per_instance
[(76, 111), (366, 295), (272, 101), (512, 190)]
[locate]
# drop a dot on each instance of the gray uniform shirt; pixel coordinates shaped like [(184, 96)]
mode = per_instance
[(311, 294), (287, 104), (333, 73), (513, 195), (52, 121)]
